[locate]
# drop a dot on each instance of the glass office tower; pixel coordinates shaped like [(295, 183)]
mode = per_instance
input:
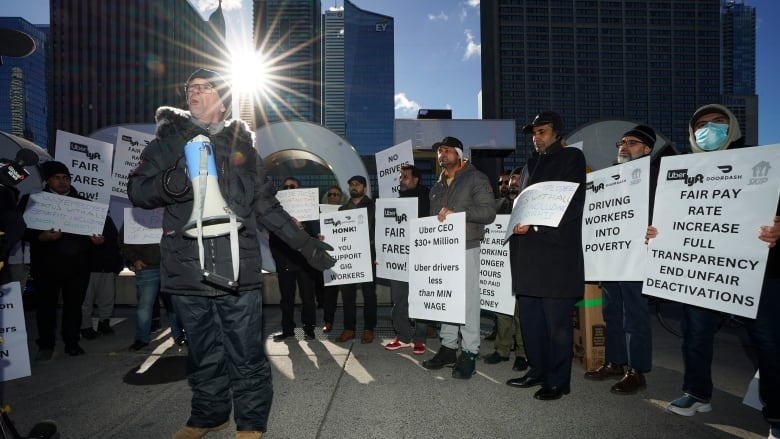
[(651, 61)]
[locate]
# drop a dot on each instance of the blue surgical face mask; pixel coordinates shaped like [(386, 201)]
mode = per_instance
[(711, 136)]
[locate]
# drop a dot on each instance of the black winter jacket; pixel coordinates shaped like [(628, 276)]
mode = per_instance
[(548, 261), (243, 184)]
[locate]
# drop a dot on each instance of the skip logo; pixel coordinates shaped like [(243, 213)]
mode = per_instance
[(78, 147), (636, 177), (682, 174), (390, 212), (594, 187), (760, 173)]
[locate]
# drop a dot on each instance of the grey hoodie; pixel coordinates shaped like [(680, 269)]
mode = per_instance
[(734, 133)]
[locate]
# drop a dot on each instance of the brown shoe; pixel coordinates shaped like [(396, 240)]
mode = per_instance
[(346, 335), (368, 336), (249, 435), (606, 370), (632, 382), (197, 432), (328, 327)]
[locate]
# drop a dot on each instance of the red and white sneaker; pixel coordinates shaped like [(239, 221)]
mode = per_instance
[(418, 349), (397, 344)]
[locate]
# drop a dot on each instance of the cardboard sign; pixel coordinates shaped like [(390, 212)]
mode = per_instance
[(48, 211), (143, 226), (301, 204)]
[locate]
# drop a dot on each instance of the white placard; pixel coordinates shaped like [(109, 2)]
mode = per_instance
[(301, 204), (391, 236), (89, 162), (388, 167), (708, 210), (542, 204), (615, 222), (129, 145), (143, 226), (48, 211), (437, 282), (495, 275), (347, 232), (14, 354)]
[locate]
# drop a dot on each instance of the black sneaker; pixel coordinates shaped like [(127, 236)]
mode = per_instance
[(308, 333), (466, 366), (520, 364), (137, 346), (494, 358), (281, 336), (89, 334), (445, 357), (104, 327), (74, 350)]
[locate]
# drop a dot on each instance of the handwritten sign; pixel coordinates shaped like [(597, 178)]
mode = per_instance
[(615, 222), (143, 226), (437, 282), (14, 353), (708, 209), (47, 211), (391, 236), (542, 204), (129, 145), (347, 232), (89, 162), (495, 275), (301, 204), (388, 167)]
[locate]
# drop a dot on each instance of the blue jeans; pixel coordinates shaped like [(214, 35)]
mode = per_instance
[(699, 327), (628, 334), (147, 285)]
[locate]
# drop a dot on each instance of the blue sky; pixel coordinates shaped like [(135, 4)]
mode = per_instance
[(437, 53)]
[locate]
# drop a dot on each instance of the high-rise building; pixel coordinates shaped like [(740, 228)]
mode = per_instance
[(651, 61), (739, 66), (117, 62), (23, 110), (287, 34), (358, 77)]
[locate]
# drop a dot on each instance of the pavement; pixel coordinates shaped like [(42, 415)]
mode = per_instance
[(327, 390)]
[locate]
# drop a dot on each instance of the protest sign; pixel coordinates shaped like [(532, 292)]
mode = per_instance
[(541, 204), (437, 282), (495, 275), (89, 162), (615, 222), (301, 204), (347, 232), (129, 145), (48, 211), (391, 234), (14, 353), (143, 226), (388, 167), (708, 210)]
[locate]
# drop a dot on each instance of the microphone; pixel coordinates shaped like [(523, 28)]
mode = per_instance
[(14, 173)]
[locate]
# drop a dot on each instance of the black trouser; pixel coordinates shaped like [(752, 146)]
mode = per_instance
[(225, 358), (48, 285), (349, 299), (287, 283), (548, 337)]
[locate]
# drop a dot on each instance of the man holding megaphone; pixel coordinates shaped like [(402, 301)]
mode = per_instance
[(205, 172)]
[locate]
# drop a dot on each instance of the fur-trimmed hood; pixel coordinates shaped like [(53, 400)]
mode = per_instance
[(171, 120)]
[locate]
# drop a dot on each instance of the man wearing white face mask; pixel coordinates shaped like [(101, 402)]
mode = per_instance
[(713, 127)]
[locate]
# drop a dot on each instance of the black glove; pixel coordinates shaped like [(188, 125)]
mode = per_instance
[(176, 182), (316, 255)]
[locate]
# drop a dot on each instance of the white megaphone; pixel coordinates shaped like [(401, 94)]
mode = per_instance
[(211, 216)]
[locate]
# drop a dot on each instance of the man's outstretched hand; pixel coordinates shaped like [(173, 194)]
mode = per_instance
[(316, 254)]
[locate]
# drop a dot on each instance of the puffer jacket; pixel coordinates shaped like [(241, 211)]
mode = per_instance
[(470, 191), (245, 187)]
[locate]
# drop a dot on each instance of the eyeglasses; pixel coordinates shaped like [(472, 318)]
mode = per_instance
[(334, 194), (290, 186), (629, 143), (200, 88), (503, 182)]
